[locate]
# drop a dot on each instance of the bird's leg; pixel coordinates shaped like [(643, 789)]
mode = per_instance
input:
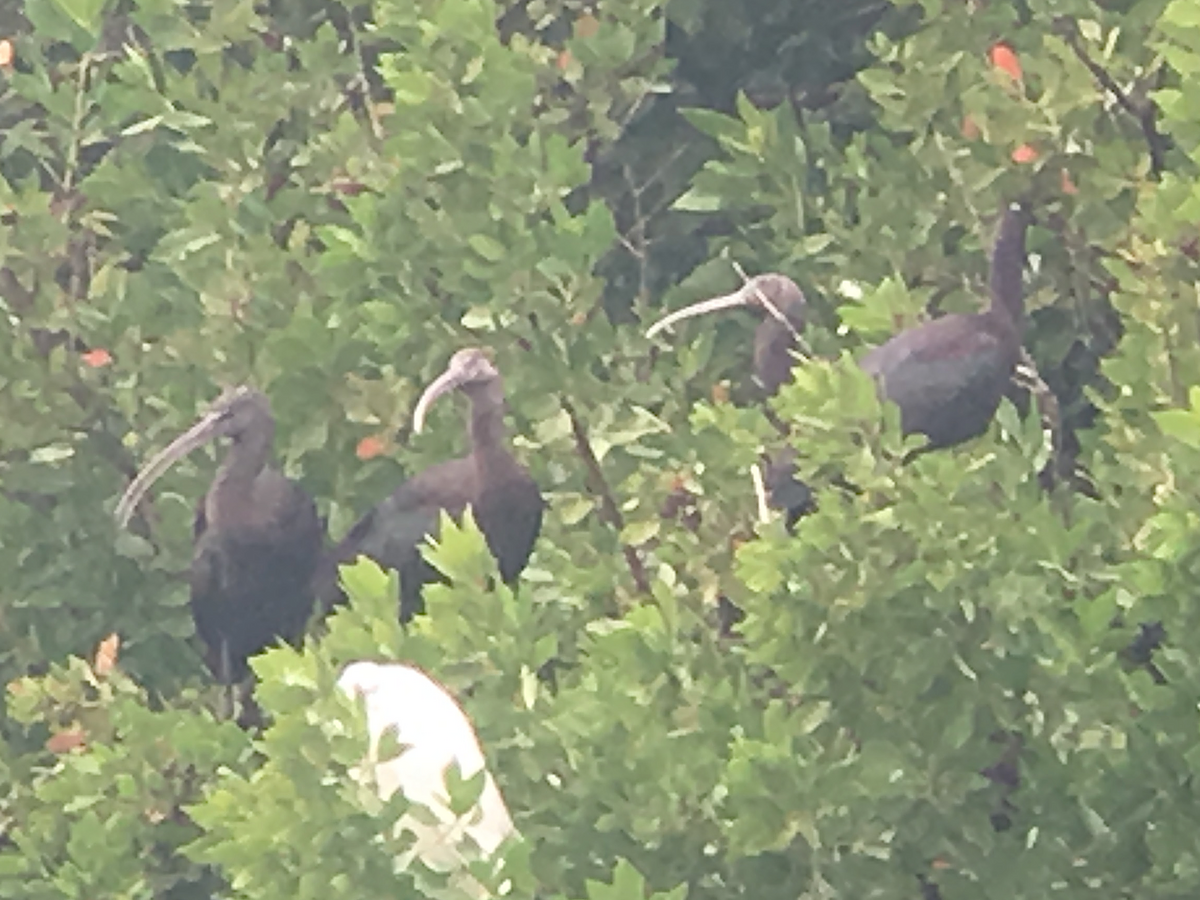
[(228, 706)]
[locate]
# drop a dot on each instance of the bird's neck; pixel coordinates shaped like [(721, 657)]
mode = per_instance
[(231, 499), (486, 422), (1008, 263), (1001, 322), (773, 360)]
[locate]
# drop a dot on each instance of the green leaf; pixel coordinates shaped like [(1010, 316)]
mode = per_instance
[(365, 578), (1181, 424), (51, 453), (637, 533), (487, 247), (85, 13), (696, 200), (147, 124)]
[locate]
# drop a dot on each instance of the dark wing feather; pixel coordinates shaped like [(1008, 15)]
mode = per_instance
[(509, 513), (201, 575), (947, 376), (392, 532), (253, 587)]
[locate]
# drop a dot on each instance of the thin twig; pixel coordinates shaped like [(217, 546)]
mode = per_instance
[(610, 513), (634, 239), (1144, 112), (772, 310), (760, 493), (67, 182), (1028, 377)]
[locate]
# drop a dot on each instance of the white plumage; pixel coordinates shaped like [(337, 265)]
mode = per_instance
[(432, 732)]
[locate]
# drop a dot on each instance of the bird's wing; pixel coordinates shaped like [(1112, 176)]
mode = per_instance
[(963, 364), (204, 578), (510, 515), (288, 511), (947, 336), (390, 532), (203, 574), (930, 359)]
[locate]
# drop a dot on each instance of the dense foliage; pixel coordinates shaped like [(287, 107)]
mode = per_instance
[(972, 679)]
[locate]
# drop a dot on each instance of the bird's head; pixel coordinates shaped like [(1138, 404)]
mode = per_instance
[(468, 370), (360, 678), (236, 413), (775, 295)]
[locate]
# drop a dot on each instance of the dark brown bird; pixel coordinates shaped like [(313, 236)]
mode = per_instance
[(776, 341), (257, 537), (948, 375), (777, 337), (506, 502)]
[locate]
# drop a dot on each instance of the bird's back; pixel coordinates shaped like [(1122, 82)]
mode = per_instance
[(392, 531), (508, 512), (948, 375)]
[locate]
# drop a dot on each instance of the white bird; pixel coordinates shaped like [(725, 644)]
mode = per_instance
[(432, 732)]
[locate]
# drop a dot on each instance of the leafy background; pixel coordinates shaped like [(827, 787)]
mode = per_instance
[(943, 687)]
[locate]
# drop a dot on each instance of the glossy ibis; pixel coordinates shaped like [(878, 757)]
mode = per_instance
[(432, 732), (257, 537), (949, 374), (946, 375), (506, 502), (776, 341)]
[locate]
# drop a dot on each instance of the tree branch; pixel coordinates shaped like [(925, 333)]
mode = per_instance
[(1144, 111), (610, 513)]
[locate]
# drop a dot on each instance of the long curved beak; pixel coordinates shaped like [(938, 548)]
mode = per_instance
[(200, 433), (747, 295), (445, 383), (738, 298)]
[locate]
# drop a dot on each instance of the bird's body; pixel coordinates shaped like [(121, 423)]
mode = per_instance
[(949, 383), (257, 536), (251, 582), (433, 733), (505, 499), (948, 375), (392, 532)]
